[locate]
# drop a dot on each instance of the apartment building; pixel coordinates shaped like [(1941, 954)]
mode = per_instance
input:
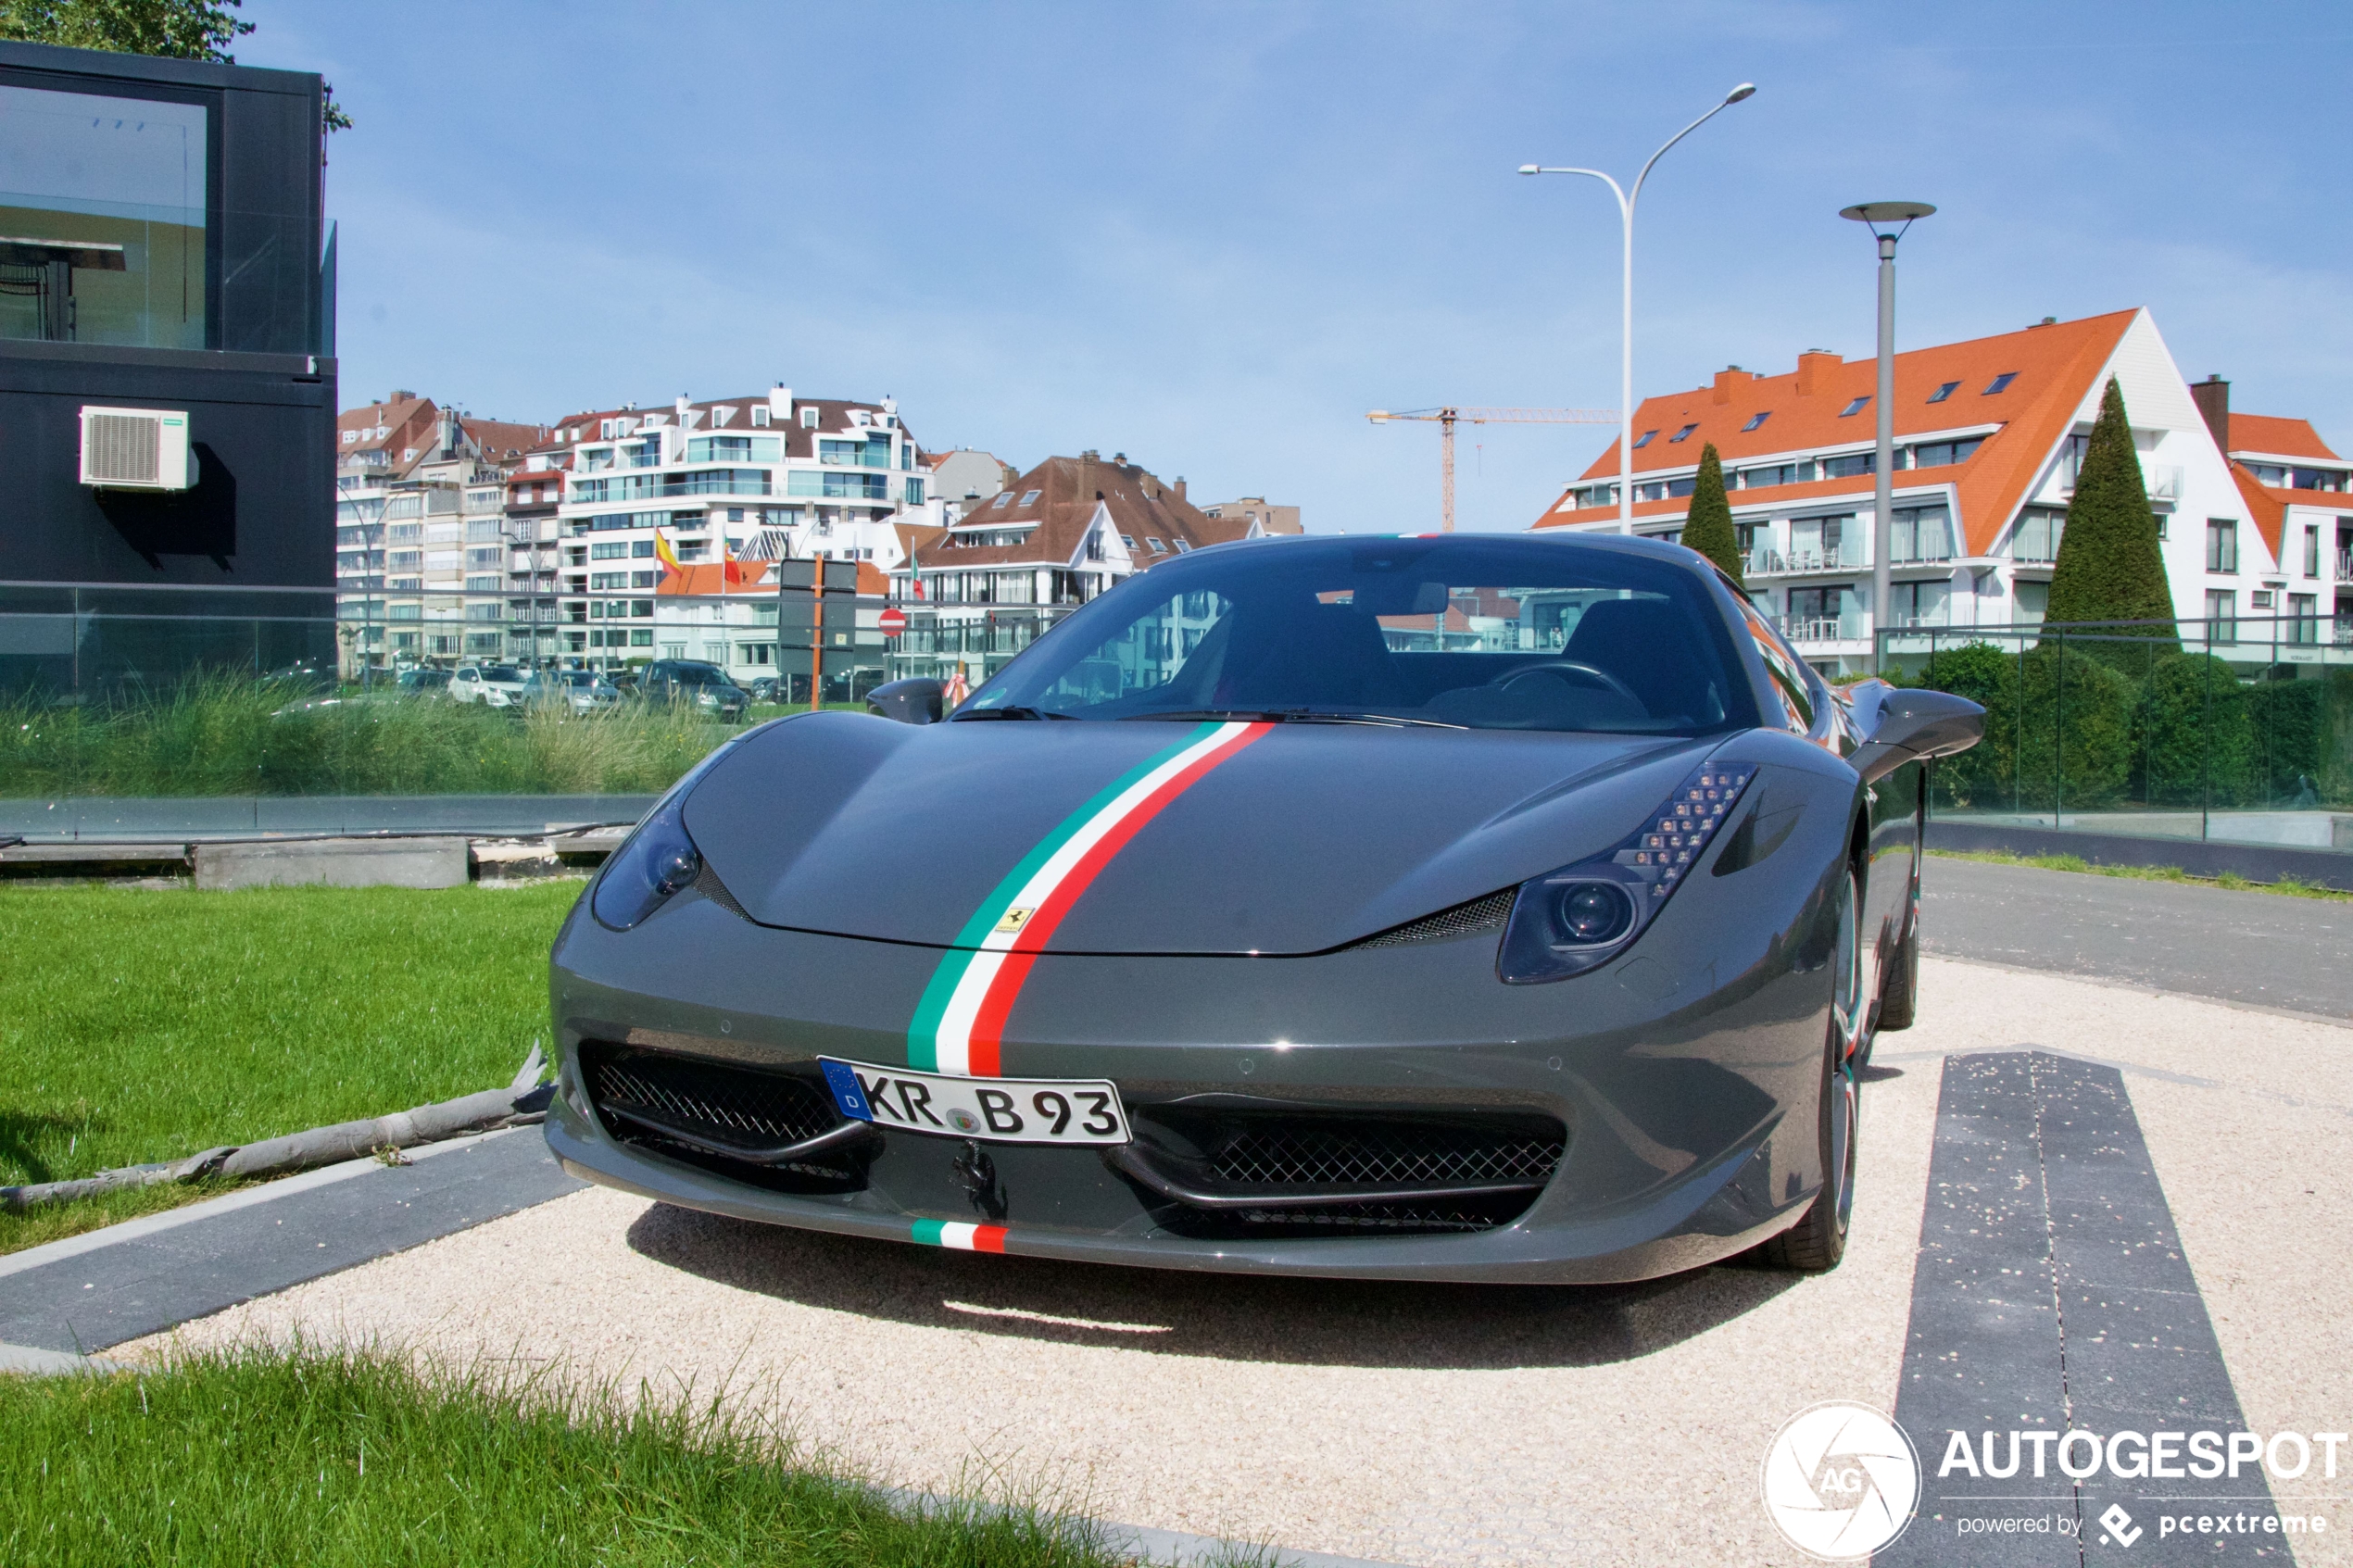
[(699, 614), (980, 590), (760, 476), (1989, 434), (965, 479), (2299, 495), (421, 547), (1254, 508)]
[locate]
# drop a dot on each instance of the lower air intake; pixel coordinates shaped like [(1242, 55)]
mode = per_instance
[(642, 1097)]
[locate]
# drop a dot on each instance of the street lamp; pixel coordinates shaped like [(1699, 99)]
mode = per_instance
[(1878, 214), (1626, 200)]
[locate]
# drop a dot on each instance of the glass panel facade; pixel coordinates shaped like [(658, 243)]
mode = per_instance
[(102, 218)]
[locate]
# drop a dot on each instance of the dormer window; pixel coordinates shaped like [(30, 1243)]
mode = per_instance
[(1128, 540), (1027, 497), (1683, 434), (1943, 392), (1999, 384), (1856, 408), (1644, 440), (1757, 422), (759, 417), (1005, 498), (808, 419), (1158, 548)]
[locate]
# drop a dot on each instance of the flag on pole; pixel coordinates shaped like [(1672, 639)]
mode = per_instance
[(664, 553), (731, 572)]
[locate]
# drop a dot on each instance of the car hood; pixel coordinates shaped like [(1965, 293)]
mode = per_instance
[(1296, 838)]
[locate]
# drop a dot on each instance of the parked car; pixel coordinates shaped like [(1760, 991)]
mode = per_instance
[(1504, 908), (690, 681), (766, 688), (496, 685), (423, 682), (584, 691)]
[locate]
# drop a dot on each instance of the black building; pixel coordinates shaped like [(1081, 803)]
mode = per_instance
[(167, 370)]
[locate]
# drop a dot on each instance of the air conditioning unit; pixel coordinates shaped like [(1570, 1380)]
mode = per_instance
[(137, 449)]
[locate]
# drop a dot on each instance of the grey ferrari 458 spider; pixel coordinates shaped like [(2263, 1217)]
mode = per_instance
[(1460, 907)]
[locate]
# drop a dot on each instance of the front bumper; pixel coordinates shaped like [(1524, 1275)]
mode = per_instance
[(1684, 1074)]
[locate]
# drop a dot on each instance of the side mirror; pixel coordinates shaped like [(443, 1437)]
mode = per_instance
[(917, 700), (1897, 724)]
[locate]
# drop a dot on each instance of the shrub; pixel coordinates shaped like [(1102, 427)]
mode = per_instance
[(2195, 742), (1708, 526), (2109, 566), (2058, 728)]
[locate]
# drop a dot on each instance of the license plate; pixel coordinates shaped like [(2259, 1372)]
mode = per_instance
[(1068, 1110)]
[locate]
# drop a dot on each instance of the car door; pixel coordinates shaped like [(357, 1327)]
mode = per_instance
[(466, 685)]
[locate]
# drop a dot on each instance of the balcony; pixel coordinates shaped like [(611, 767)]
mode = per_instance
[(1825, 632), (2344, 566), (1766, 562)]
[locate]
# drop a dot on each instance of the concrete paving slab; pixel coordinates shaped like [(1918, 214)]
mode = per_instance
[(116, 1287), (333, 862)]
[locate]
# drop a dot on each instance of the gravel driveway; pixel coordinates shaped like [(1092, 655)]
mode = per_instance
[(1410, 1423)]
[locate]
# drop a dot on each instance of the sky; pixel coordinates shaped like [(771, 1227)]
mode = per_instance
[(1213, 236)]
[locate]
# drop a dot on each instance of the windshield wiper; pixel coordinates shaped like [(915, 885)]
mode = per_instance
[(1298, 716), (1013, 712)]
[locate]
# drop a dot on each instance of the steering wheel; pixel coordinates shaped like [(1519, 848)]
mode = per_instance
[(1599, 677)]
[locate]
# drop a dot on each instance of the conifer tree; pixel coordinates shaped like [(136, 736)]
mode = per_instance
[(1707, 527), (2109, 566)]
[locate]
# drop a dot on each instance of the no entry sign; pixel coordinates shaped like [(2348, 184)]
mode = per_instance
[(893, 621)]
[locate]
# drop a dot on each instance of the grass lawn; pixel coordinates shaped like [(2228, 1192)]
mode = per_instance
[(341, 1461), (141, 1024), (2286, 886)]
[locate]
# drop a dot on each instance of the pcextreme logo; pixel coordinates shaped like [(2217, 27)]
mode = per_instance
[(1841, 1480)]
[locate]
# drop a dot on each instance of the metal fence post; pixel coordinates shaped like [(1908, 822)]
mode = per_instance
[(2206, 740), (2058, 736), (2018, 739)]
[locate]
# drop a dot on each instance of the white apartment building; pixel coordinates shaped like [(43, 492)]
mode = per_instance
[(758, 478), (1988, 436)]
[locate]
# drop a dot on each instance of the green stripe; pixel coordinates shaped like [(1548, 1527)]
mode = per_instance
[(930, 1232), (922, 1035)]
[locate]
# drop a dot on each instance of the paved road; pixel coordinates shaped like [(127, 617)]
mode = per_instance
[(2294, 953)]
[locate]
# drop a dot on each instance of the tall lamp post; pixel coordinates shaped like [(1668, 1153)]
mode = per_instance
[(1626, 200), (1879, 215)]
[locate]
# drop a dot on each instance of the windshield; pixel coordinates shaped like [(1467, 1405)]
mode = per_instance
[(579, 678), (1479, 634), (501, 672), (698, 675)]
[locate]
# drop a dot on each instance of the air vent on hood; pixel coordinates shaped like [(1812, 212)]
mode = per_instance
[(1479, 914)]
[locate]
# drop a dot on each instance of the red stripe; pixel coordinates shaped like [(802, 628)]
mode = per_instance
[(989, 1238), (996, 1004)]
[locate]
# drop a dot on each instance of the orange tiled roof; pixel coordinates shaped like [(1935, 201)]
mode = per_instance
[(2278, 437), (2266, 506), (2054, 366)]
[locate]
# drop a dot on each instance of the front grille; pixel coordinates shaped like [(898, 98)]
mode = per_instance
[(1280, 1158), (1478, 914), (1313, 1153), (748, 1108)]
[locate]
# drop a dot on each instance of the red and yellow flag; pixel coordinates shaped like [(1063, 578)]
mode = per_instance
[(664, 553)]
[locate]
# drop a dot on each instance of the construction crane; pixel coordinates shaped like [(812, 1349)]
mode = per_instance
[(1448, 417)]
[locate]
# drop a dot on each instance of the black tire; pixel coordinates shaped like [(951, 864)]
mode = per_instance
[(1818, 1241)]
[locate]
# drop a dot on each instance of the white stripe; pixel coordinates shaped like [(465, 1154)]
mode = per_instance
[(959, 1236), (953, 1043)]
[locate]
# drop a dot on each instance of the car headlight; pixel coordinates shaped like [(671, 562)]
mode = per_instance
[(1582, 915), (706, 699), (657, 861)]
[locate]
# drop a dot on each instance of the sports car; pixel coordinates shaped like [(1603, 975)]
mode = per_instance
[(1505, 908)]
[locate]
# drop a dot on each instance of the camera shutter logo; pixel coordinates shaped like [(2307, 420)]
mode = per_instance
[(1841, 1480)]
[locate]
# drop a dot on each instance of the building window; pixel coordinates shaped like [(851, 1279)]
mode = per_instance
[(1857, 407), (1849, 466), (2036, 537), (1945, 391), (641, 637), (1772, 475), (2317, 478), (2305, 613), (2267, 474), (914, 491), (808, 421), (1919, 604), (2222, 544), (1920, 534), (1644, 440), (1938, 453), (759, 417), (2312, 549), (2221, 615), (1999, 384), (1027, 497), (1757, 422), (1683, 434)]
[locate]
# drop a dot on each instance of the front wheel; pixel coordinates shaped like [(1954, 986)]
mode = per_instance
[(1816, 1243)]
